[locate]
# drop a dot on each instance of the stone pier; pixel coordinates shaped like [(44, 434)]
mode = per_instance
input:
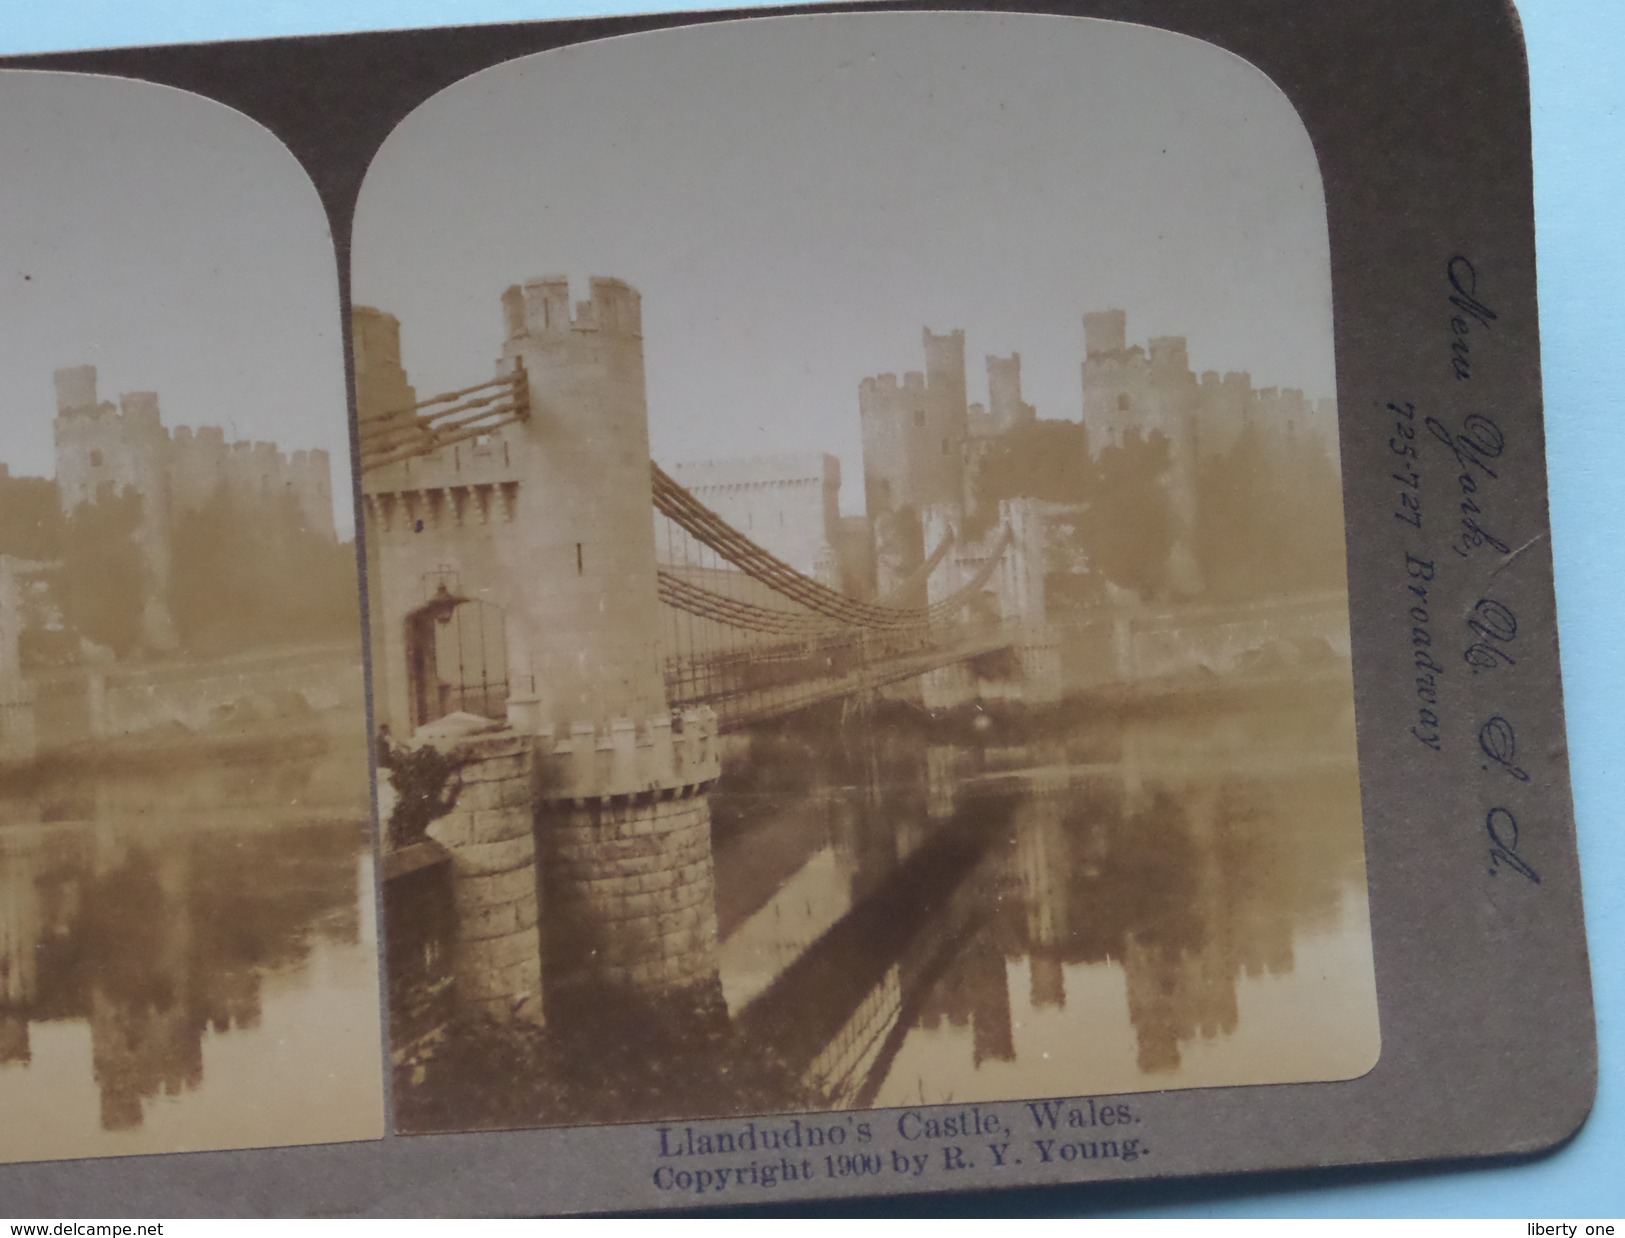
[(489, 833), (625, 825)]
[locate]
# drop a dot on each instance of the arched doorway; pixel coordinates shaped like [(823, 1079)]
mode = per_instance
[(456, 658)]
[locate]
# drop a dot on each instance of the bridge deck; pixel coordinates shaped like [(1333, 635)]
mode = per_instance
[(742, 708)]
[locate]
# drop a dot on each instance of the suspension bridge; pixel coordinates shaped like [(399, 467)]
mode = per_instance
[(744, 633), (528, 563)]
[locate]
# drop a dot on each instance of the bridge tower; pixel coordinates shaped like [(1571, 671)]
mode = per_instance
[(623, 821), (515, 577)]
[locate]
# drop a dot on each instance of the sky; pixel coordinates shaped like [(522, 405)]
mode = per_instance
[(178, 247), (796, 198)]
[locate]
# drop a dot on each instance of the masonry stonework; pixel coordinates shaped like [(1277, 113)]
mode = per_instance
[(489, 833)]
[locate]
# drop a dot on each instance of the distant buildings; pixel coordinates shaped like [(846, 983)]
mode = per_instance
[(790, 505), (925, 447), (1127, 388)]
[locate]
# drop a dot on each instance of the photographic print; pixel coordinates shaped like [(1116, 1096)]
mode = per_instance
[(858, 595), (188, 956)]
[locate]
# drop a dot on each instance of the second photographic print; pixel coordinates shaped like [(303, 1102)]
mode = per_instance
[(857, 580)]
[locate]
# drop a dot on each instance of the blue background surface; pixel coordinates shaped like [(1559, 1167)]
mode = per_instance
[(1576, 48)]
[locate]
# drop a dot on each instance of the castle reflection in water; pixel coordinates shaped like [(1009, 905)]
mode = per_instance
[(144, 921), (1142, 903)]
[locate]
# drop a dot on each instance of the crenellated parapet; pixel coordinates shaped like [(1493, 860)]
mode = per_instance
[(542, 307), (661, 757), (412, 510)]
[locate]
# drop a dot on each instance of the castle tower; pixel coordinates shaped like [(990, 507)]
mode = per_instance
[(310, 478), (101, 449), (941, 475), (914, 433), (624, 826), (589, 511), (1004, 403), (539, 539), (381, 385), (1114, 378), (1128, 391)]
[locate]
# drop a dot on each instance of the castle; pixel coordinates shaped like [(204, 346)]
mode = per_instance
[(924, 445), (1155, 390), (103, 448), (100, 445)]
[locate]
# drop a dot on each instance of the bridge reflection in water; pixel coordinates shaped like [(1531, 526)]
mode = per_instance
[(187, 962), (1146, 905), (912, 911)]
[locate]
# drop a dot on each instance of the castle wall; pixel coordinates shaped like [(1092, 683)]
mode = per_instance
[(789, 505), (196, 695), (99, 447), (1136, 645), (1127, 390)]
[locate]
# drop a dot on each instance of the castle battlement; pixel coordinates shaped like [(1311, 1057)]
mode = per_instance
[(1005, 407), (75, 389), (1105, 333), (542, 307), (105, 417), (656, 757), (882, 385), (1170, 352), (140, 409)]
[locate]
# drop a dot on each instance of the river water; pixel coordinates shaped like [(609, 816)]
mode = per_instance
[(1169, 897), (188, 960)]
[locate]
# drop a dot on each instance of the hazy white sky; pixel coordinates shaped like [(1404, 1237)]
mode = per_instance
[(797, 197), (178, 247)]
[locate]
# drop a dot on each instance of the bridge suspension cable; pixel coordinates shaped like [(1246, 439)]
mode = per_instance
[(921, 574), (704, 525), (738, 613), (452, 417)]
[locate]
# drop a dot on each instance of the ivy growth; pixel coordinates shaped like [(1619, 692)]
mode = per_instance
[(425, 786)]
